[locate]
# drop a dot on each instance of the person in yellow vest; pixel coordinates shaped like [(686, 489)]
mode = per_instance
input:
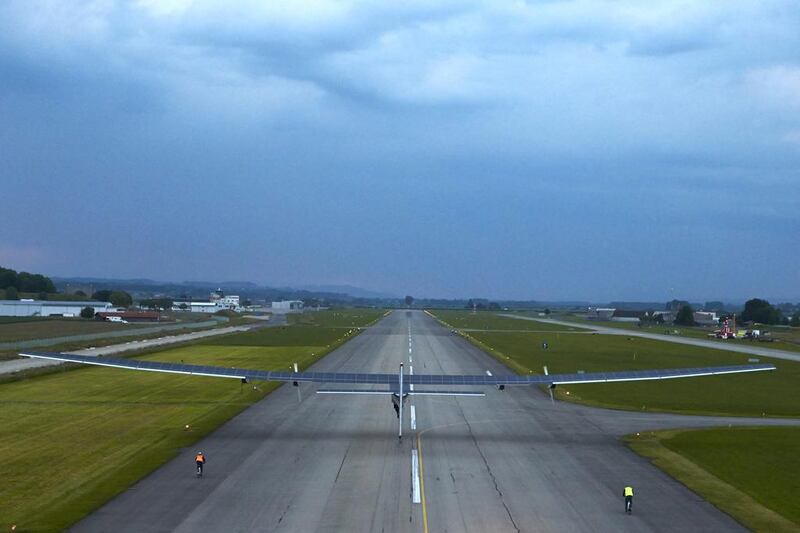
[(628, 493), (200, 459)]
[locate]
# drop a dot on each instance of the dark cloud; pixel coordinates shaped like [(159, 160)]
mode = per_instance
[(574, 149)]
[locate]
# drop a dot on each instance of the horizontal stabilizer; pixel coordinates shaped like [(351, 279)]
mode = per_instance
[(363, 392), (445, 393)]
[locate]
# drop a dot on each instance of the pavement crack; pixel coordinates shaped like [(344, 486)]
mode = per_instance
[(283, 514), (491, 475), (341, 465)]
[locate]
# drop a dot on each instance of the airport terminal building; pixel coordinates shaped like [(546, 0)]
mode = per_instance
[(49, 308)]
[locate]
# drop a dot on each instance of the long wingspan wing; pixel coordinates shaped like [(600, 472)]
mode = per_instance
[(392, 379)]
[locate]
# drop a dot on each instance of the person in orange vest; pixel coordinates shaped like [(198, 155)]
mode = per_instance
[(200, 459), (628, 493)]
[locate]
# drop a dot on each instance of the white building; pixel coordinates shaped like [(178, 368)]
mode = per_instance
[(49, 308), (225, 302), (287, 306), (600, 313), (203, 307), (706, 318), (229, 302)]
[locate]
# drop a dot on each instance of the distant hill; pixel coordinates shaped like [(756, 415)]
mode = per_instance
[(355, 292), (147, 288)]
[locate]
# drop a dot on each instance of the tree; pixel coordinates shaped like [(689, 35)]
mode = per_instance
[(795, 321), (87, 312), (120, 299), (80, 293), (547, 310), (11, 293), (25, 281), (157, 303), (102, 296), (757, 310), (685, 316), (409, 301), (675, 305), (8, 277)]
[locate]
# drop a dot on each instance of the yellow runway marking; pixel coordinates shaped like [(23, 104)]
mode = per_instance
[(422, 484)]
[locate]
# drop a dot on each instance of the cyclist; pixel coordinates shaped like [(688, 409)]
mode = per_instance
[(628, 493), (200, 460)]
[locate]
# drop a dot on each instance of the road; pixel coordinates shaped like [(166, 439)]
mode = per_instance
[(703, 343), (510, 461)]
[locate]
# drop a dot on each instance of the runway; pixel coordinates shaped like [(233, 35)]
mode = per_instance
[(510, 461)]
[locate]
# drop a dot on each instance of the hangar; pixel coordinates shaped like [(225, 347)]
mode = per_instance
[(49, 308)]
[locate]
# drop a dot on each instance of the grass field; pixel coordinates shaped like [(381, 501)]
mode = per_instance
[(17, 319), (337, 318), (763, 394), (48, 328), (135, 335), (769, 393), (752, 474), (71, 440), (784, 338), (492, 321)]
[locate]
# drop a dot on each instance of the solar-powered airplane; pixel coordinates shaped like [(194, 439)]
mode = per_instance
[(401, 385)]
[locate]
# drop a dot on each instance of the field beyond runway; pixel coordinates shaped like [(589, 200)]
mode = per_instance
[(511, 461), (77, 436)]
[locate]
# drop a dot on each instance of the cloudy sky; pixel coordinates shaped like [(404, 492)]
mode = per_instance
[(546, 150)]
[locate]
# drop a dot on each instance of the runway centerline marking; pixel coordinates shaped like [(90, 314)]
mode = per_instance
[(413, 418)]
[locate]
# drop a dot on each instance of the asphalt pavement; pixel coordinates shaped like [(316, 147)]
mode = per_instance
[(510, 461)]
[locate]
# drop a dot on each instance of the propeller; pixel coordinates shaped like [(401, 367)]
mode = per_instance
[(550, 387), (297, 386)]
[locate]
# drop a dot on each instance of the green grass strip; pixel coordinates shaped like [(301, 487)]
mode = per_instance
[(74, 438), (750, 473), (767, 394)]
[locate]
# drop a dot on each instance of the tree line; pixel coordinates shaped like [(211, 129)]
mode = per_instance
[(755, 310), (16, 282)]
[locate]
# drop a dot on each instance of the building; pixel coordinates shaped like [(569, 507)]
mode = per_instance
[(229, 302), (224, 302), (706, 318), (667, 317), (600, 313), (49, 308), (623, 315), (287, 306)]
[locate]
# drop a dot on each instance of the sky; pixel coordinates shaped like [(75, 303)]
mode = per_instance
[(550, 150)]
